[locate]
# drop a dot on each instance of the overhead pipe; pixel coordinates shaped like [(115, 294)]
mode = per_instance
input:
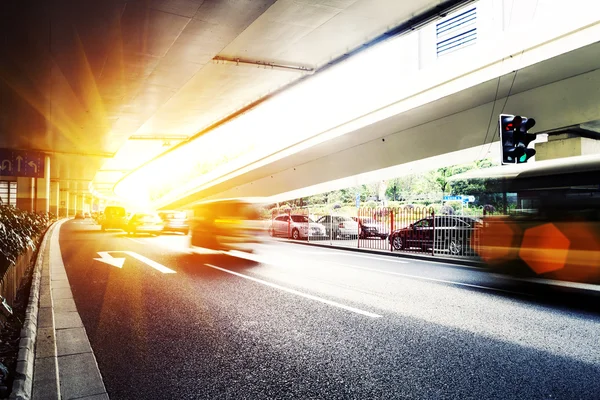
[(263, 64)]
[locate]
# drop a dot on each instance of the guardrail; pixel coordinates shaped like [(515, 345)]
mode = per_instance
[(11, 280), (389, 229)]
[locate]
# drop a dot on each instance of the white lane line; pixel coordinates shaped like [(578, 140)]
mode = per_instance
[(333, 252), (258, 259), (432, 279), (163, 245), (297, 293), (153, 264)]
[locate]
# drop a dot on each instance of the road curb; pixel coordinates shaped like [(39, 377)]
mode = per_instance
[(456, 261), (23, 383)]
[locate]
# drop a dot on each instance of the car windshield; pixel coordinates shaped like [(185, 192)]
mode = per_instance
[(301, 218)]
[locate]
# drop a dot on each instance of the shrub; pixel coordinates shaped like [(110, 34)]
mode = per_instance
[(18, 230), (447, 210)]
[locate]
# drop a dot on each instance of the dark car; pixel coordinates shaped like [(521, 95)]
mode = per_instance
[(446, 233), (114, 217), (174, 221), (368, 228)]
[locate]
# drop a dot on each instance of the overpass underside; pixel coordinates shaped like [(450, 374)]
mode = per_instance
[(559, 91)]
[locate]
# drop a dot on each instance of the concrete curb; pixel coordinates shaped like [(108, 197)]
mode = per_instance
[(23, 383), (455, 261)]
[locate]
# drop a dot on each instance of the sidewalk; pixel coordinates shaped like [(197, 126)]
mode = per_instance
[(55, 359)]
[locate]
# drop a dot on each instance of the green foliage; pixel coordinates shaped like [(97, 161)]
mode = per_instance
[(18, 231), (425, 189)]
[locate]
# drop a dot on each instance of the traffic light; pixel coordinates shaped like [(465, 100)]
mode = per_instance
[(515, 139)]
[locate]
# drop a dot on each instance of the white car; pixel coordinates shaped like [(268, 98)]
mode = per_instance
[(339, 226), (148, 222), (296, 227)]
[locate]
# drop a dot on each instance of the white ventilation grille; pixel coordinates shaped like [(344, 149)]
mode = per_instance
[(8, 193), (457, 31)]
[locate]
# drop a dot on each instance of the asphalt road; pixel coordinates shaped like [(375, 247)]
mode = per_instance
[(300, 322)]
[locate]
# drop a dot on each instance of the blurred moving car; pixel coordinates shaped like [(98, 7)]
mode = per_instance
[(369, 228), (445, 232), (174, 221), (79, 215), (114, 217), (339, 226), (144, 222), (86, 215), (296, 227), (221, 225)]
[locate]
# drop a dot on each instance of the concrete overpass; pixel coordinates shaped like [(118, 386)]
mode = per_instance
[(101, 87), (109, 91), (443, 122)]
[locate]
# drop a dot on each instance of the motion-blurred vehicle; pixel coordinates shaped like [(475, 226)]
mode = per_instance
[(296, 227), (549, 221), (174, 221), (339, 226), (114, 217), (86, 215), (369, 228), (79, 215), (447, 233), (144, 222), (222, 225)]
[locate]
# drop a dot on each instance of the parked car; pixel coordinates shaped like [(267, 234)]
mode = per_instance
[(114, 217), (445, 232), (174, 221), (296, 227), (369, 228), (339, 226), (144, 222)]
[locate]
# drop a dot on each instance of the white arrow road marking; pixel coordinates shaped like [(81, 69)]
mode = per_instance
[(118, 262), (107, 258), (153, 264)]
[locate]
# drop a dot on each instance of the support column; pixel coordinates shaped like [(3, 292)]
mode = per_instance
[(566, 145), (82, 204), (43, 189), (55, 197), (73, 210), (63, 210), (25, 194)]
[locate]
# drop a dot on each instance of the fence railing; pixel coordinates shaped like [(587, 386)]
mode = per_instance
[(398, 229), (13, 276)]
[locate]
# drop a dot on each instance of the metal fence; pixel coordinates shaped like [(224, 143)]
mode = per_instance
[(399, 229), (10, 282)]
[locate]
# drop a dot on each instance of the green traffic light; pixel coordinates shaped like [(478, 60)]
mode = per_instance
[(523, 158)]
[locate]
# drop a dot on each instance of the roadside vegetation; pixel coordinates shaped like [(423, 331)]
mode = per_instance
[(18, 230), (410, 191)]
